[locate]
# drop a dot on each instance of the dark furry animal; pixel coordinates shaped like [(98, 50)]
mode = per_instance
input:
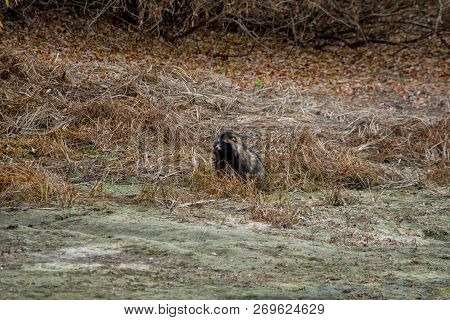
[(230, 150)]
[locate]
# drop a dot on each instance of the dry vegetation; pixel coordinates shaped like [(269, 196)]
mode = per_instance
[(303, 22), (150, 123), (24, 183), (97, 120)]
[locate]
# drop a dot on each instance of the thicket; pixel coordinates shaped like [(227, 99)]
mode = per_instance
[(305, 22)]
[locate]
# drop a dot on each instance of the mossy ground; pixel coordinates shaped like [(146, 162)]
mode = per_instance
[(393, 246)]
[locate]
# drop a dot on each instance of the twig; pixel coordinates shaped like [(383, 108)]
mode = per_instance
[(196, 203)]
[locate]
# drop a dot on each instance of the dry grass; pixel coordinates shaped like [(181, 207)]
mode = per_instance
[(113, 121), (24, 183), (281, 213), (302, 159), (439, 174), (10, 66), (409, 140), (204, 181), (338, 196)]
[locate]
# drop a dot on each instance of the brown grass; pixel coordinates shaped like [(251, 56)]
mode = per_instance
[(439, 174), (408, 140), (24, 183), (10, 66), (204, 181), (338, 196), (113, 121), (302, 159), (281, 213)]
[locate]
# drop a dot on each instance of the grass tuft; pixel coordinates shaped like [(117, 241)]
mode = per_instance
[(34, 185)]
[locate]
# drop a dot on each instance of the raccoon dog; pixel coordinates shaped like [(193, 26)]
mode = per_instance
[(230, 150)]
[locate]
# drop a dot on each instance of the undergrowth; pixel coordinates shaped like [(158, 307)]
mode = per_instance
[(156, 125), (21, 183)]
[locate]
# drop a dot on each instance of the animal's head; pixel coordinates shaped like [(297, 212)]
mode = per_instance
[(228, 142)]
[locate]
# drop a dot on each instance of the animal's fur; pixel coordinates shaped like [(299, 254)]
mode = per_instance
[(230, 150)]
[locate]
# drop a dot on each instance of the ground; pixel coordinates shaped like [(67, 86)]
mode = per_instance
[(107, 192), (394, 247)]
